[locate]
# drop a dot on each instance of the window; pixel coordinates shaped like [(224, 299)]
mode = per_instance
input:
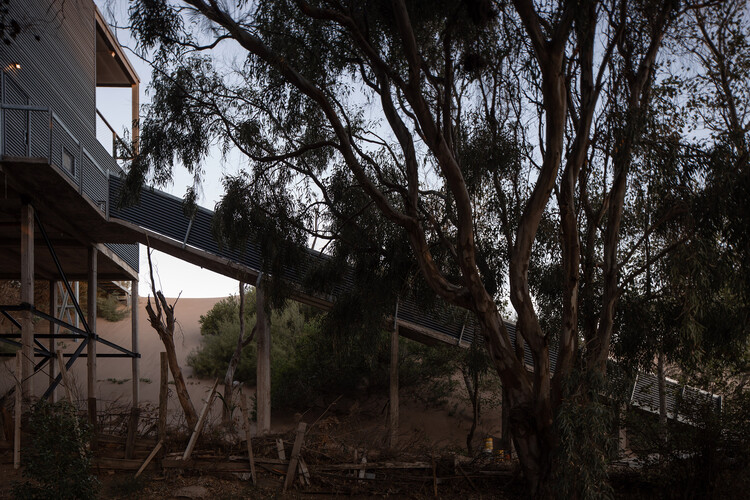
[(68, 162)]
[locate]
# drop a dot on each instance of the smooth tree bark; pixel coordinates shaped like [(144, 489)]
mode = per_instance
[(576, 49), (163, 320)]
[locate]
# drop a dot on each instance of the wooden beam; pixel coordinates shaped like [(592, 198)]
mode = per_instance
[(134, 342), (199, 425), (294, 459), (27, 296), (248, 437), (150, 457), (18, 409), (135, 114), (91, 347), (263, 384)]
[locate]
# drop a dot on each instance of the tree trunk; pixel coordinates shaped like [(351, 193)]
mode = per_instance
[(471, 380), (233, 362), (179, 382), (163, 321)]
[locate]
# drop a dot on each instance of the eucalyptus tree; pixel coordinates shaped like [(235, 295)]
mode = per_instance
[(458, 146)]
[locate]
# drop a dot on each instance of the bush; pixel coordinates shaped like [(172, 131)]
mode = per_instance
[(706, 458), (108, 307), (57, 461), (307, 361)]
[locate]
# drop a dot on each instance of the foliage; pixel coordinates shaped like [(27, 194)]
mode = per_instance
[(57, 461), (220, 328), (109, 308), (584, 423), (706, 453), (535, 148), (311, 358)]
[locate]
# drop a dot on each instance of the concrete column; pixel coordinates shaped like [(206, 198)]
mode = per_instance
[(134, 342), (51, 344), (263, 385), (91, 347), (393, 391), (27, 296)]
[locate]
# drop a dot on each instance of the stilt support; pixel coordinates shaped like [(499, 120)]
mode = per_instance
[(263, 386)]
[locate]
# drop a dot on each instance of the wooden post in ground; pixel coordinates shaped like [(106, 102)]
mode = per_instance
[(393, 391), (163, 393), (246, 428), (150, 457), (27, 296), (64, 376), (91, 347), (51, 342), (293, 460), (134, 342), (201, 421), (18, 412), (135, 410), (263, 384)]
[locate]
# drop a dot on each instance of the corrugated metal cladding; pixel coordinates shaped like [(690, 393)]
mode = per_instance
[(57, 71), (163, 213), (128, 253)]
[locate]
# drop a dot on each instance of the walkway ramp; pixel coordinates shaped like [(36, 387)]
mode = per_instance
[(160, 222)]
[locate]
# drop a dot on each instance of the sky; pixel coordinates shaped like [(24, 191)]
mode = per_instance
[(173, 276)]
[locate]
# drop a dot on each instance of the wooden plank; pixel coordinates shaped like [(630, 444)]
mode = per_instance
[(280, 449), (291, 471), (304, 473), (18, 409), (163, 395), (150, 457), (132, 464), (376, 465), (248, 437), (199, 424), (65, 378)]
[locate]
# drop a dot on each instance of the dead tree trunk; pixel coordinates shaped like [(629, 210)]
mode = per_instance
[(232, 368), (162, 320)]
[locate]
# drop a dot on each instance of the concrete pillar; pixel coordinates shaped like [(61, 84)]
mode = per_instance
[(91, 347), (27, 296), (263, 385), (393, 391)]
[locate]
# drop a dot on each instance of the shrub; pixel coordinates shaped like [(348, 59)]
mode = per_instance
[(707, 455), (57, 462), (308, 361), (109, 308)]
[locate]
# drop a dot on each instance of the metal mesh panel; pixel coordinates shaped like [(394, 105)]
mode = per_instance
[(39, 129), (15, 132)]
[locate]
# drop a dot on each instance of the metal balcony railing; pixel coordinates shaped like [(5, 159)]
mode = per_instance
[(38, 132)]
